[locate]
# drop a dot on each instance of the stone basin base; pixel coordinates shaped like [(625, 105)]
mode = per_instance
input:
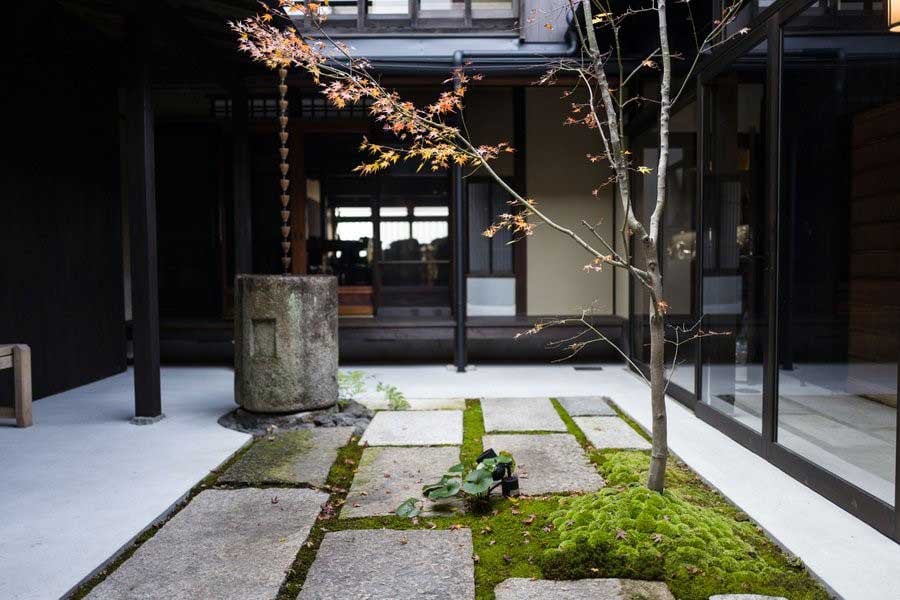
[(352, 414)]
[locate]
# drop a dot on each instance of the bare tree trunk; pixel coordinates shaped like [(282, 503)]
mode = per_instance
[(656, 480)]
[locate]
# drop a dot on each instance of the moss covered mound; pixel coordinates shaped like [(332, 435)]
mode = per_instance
[(635, 533)]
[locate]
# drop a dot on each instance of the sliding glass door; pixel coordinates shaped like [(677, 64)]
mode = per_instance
[(840, 255), (734, 240), (799, 243)]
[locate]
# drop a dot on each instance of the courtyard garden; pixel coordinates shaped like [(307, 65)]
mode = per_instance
[(312, 513)]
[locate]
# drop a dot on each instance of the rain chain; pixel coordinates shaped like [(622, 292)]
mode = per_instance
[(284, 167)]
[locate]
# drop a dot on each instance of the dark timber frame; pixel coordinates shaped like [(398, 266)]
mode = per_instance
[(141, 189), (460, 253), (768, 27)]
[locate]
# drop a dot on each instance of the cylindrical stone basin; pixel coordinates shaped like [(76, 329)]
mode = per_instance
[(285, 342)]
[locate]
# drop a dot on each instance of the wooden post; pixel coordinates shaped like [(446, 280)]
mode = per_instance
[(298, 203), (22, 373), (520, 162), (460, 250), (141, 189), (243, 214)]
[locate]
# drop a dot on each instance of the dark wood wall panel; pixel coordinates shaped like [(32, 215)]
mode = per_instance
[(61, 282), (875, 235)]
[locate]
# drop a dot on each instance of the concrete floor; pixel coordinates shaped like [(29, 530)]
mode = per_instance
[(851, 558), (826, 414), (83, 481)]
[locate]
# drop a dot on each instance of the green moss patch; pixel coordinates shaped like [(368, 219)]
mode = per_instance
[(473, 431), (271, 459), (639, 534)]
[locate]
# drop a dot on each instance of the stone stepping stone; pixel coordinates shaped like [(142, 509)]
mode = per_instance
[(587, 406), (582, 589), (415, 428), (611, 432), (548, 463), (419, 403), (745, 597), (224, 544), (304, 456), (385, 564), (520, 414), (387, 476)]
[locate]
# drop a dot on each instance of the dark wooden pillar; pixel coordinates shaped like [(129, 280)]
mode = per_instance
[(298, 203), (520, 248), (460, 249), (141, 190), (240, 161)]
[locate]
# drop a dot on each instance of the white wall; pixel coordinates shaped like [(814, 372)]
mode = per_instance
[(560, 179)]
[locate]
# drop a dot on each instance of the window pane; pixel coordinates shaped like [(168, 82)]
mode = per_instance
[(491, 296), (393, 211), (354, 230), (501, 249), (479, 219), (431, 211), (735, 241), (442, 8), (492, 8), (388, 7), (840, 263), (353, 211), (392, 232), (428, 232), (677, 247)]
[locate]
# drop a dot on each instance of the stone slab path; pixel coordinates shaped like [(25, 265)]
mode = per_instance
[(582, 589), (418, 403), (388, 476), (415, 428), (548, 463), (385, 564), (520, 414), (224, 544), (296, 457), (587, 406), (611, 432)]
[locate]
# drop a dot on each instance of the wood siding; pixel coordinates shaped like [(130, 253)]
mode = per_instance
[(874, 298), (61, 282)]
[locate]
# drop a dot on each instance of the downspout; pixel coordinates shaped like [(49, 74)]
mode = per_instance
[(460, 226)]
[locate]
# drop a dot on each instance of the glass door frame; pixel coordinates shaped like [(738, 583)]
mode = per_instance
[(769, 26)]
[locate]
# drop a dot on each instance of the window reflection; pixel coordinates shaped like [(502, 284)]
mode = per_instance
[(677, 245), (734, 241), (840, 261)]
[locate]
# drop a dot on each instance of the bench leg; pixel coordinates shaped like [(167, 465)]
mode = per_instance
[(22, 375)]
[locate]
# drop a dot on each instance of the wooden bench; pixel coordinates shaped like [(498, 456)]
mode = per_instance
[(18, 358)]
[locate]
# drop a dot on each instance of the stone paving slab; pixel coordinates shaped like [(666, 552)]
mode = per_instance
[(611, 432), (745, 597), (419, 403), (388, 476), (304, 456), (520, 414), (587, 406), (384, 564), (414, 428), (548, 463), (224, 544), (582, 589)]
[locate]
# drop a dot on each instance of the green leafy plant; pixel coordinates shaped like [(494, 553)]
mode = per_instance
[(473, 485), (395, 398), (350, 385)]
